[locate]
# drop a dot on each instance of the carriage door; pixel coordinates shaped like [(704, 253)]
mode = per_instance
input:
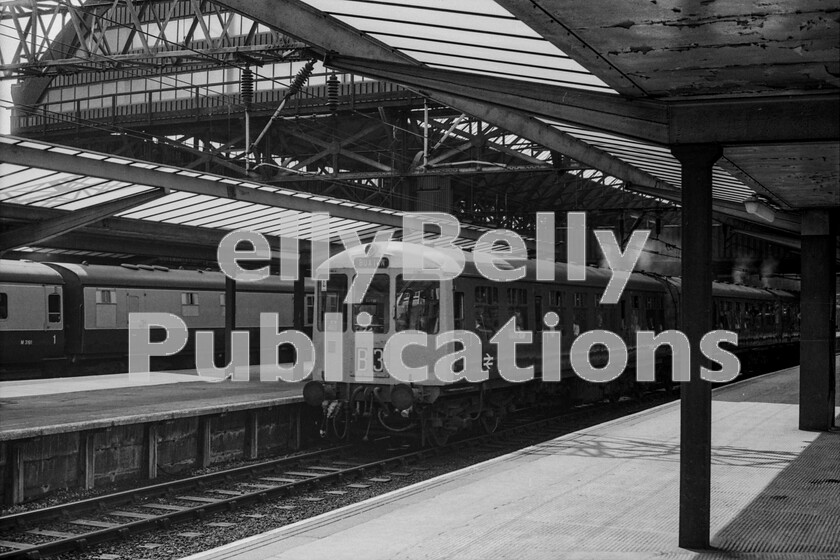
[(54, 324), (133, 304)]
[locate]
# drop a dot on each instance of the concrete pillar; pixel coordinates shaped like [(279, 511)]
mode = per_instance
[(87, 451), (252, 430), (695, 321), (203, 442), (151, 451), (817, 328), (15, 487)]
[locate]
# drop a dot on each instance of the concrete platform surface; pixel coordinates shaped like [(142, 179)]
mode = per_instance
[(37, 408), (607, 492), (35, 387)]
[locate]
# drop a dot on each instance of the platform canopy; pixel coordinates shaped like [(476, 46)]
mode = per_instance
[(64, 188), (610, 86), (626, 78)]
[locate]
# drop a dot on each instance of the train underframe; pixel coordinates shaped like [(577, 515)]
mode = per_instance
[(435, 414)]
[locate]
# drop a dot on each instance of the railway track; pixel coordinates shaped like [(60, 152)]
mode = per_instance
[(77, 526)]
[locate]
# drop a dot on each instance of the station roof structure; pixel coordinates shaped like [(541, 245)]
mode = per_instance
[(610, 86)]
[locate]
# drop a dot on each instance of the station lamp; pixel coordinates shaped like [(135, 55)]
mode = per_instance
[(757, 206)]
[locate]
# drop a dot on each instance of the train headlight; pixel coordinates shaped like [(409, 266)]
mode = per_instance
[(402, 397), (314, 393)]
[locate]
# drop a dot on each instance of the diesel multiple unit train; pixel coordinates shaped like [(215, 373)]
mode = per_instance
[(60, 319), (766, 321)]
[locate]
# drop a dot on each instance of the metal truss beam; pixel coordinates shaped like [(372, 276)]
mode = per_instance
[(322, 32), (38, 233), (31, 157), (161, 58), (125, 235), (329, 35), (787, 222), (736, 121), (360, 175)]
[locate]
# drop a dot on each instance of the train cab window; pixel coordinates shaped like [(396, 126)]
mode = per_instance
[(417, 305), (54, 308), (375, 302), (189, 304), (4, 305), (459, 310), (331, 294), (518, 306), (486, 310)]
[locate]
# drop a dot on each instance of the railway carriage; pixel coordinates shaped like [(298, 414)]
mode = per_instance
[(65, 318), (99, 299), (31, 313), (471, 302)]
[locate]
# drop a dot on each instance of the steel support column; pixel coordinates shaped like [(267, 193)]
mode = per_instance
[(230, 319), (816, 342), (299, 297), (695, 321)]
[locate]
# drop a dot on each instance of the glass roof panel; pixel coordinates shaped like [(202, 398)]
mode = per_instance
[(177, 213), (113, 194), (153, 210), (657, 161), (477, 36), (27, 178), (79, 191)]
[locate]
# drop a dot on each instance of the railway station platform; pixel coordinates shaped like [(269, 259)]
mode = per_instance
[(90, 431), (606, 492)]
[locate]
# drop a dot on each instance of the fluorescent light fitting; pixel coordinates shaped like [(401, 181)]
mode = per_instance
[(759, 207)]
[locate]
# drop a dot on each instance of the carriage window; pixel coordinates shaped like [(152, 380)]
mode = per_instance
[(486, 310), (189, 298), (580, 297), (331, 299), (106, 308), (417, 305), (556, 303), (459, 310), (189, 304), (54, 308), (375, 302), (4, 306), (309, 310), (518, 304), (106, 296)]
